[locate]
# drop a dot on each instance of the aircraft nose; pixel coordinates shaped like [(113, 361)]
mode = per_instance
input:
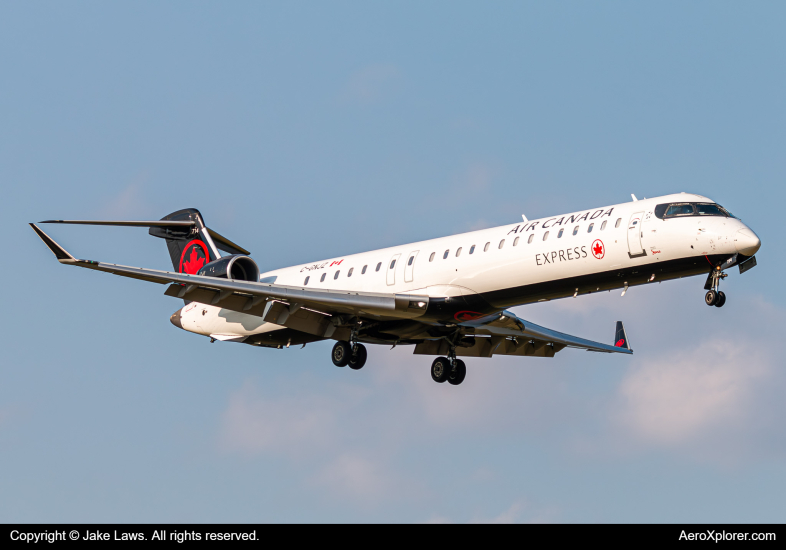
[(175, 319), (747, 242)]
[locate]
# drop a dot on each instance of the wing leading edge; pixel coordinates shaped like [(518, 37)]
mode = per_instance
[(274, 303)]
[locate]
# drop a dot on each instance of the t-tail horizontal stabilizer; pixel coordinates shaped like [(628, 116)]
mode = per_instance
[(620, 338), (184, 232)]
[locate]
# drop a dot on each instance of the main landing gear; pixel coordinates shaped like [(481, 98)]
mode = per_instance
[(715, 297), (354, 355), (451, 369)]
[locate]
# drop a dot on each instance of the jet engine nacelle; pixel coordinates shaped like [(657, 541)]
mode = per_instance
[(236, 267)]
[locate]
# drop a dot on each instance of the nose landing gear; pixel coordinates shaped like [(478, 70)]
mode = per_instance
[(715, 297)]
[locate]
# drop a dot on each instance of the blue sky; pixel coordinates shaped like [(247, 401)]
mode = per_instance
[(311, 130)]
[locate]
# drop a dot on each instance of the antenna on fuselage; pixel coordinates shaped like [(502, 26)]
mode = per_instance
[(523, 217), (634, 197)]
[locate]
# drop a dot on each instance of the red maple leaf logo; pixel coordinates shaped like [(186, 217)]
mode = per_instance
[(463, 316), (620, 342), (194, 263), (597, 249)]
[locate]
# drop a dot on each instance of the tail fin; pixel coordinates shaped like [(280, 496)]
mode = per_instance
[(620, 338), (191, 244)]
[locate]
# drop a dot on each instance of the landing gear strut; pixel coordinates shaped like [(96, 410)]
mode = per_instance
[(349, 353), (449, 368), (715, 297)]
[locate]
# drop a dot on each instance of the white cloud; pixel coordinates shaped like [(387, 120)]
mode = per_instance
[(511, 515), (372, 83), (357, 477), (129, 203), (712, 396), (522, 511), (255, 424), (684, 394)]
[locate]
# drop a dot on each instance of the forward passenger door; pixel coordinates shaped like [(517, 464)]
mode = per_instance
[(634, 235)]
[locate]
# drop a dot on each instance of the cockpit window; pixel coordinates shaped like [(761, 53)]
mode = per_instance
[(708, 210), (678, 210)]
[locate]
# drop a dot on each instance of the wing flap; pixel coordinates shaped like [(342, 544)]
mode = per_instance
[(519, 337)]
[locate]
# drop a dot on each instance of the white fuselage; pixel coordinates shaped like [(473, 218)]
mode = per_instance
[(596, 249)]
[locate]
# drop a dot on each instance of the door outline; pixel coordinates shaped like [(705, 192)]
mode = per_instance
[(409, 268), (635, 248), (392, 270)]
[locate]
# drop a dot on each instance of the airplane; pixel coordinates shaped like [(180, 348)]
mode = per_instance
[(449, 297)]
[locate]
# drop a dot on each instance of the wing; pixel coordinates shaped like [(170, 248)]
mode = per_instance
[(318, 312), (506, 334)]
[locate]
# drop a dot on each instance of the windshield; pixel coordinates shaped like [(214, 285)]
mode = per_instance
[(679, 210), (682, 209), (709, 210)]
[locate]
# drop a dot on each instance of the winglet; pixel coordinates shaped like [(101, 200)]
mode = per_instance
[(620, 338), (60, 253)]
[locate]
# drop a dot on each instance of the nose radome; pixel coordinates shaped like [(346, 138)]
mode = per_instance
[(175, 319), (746, 242)]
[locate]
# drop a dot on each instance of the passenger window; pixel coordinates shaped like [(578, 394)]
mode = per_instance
[(392, 264), (458, 252), (363, 271), (322, 279), (472, 249), (431, 258), (445, 255), (378, 266), (576, 230), (501, 244), (529, 241), (545, 235), (559, 235), (515, 241), (603, 225), (589, 229), (411, 259), (336, 275), (306, 281), (351, 269), (486, 248), (616, 225)]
